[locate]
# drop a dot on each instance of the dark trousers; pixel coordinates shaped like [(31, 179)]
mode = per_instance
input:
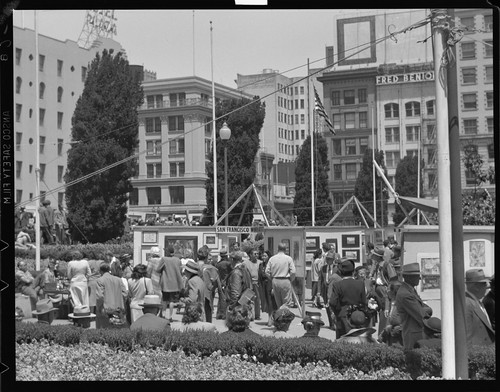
[(47, 235), (314, 290), (221, 308), (208, 311), (257, 300)]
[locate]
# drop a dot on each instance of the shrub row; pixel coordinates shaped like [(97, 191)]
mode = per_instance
[(265, 349)]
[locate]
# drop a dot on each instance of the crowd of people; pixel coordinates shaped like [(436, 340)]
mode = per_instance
[(357, 299)]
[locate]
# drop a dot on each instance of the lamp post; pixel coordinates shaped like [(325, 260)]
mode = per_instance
[(225, 134)]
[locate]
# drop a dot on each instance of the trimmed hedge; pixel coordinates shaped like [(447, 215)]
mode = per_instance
[(340, 356)]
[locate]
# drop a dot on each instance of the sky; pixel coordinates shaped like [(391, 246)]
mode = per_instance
[(241, 41)]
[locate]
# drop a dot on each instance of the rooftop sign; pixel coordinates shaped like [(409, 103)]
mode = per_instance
[(405, 78)]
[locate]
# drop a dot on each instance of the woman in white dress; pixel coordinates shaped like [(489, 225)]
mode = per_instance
[(138, 287), (78, 273)]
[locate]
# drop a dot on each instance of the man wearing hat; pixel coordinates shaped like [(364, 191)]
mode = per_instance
[(25, 282), (44, 311), (411, 308), (328, 274), (153, 269), (210, 276), (358, 333), (346, 292), (81, 316), (477, 323), (46, 213), (432, 333), (489, 302), (312, 324), (194, 290), (238, 281), (224, 268), (282, 318), (171, 281), (150, 321)]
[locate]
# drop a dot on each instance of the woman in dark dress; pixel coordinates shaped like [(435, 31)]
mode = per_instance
[(268, 304)]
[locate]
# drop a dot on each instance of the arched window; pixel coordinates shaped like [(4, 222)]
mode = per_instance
[(59, 94), (42, 90), (19, 82), (412, 109), (391, 110)]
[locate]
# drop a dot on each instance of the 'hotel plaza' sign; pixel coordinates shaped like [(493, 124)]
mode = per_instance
[(406, 78)]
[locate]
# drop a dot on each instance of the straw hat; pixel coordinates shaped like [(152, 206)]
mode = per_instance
[(82, 311), (313, 317), (43, 306), (411, 269), (151, 301), (192, 267), (475, 275), (155, 251)]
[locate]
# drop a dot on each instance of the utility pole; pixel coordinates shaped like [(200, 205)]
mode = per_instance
[(439, 26)]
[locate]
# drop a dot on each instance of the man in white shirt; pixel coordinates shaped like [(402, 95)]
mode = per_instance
[(281, 270)]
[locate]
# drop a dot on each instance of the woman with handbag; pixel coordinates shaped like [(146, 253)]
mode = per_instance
[(138, 287)]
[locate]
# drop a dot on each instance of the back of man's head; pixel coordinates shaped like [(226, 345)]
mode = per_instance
[(281, 247)]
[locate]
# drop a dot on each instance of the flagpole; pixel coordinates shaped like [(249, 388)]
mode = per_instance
[(373, 173), (194, 73), (38, 240), (214, 126), (311, 134)]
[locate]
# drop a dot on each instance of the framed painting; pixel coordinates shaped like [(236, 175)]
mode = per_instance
[(351, 254), (476, 254), (334, 242), (430, 270), (210, 240), (350, 240), (182, 243), (149, 237), (231, 240), (312, 243)]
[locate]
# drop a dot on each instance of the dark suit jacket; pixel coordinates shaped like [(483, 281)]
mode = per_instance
[(110, 292), (347, 291), (325, 283), (478, 329), (411, 311)]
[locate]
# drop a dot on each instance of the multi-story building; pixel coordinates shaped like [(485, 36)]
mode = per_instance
[(175, 132), (61, 73)]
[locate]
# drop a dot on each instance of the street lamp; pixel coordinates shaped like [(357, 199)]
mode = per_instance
[(225, 134)]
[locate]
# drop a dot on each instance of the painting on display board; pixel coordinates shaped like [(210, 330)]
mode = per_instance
[(350, 240), (334, 242), (352, 254), (430, 269), (231, 240), (210, 240), (182, 243), (477, 258), (312, 243)]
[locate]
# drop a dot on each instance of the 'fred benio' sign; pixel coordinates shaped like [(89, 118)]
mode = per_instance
[(405, 78)]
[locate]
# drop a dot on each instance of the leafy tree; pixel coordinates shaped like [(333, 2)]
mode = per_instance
[(242, 148), (406, 183), (302, 202), (104, 132), (363, 189), (478, 205)]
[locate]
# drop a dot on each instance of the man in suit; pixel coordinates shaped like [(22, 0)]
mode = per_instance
[(412, 310), (224, 268), (110, 296), (345, 293), (210, 275), (46, 213), (328, 275), (477, 323), (171, 281)]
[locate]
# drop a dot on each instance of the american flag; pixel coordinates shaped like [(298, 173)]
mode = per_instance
[(318, 106)]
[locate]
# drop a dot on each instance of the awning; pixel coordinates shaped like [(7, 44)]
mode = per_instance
[(428, 205)]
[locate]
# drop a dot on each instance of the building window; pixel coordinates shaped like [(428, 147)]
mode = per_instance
[(176, 146), (19, 82), (488, 48), (42, 171), (470, 178), (173, 169), (468, 23), (19, 195), (335, 98), (468, 50), (430, 131), (350, 120), (19, 167), (363, 145), (362, 95), (469, 101), (296, 104), (153, 147), (296, 134), (60, 170), (338, 200), (488, 22), (208, 147), (42, 144), (297, 150), (363, 119), (154, 195), (431, 107), (296, 90), (59, 67), (350, 171), (337, 149), (491, 151), (392, 159), (175, 123), (59, 94), (489, 99), (59, 120), (155, 101), (180, 146), (392, 135), (302, 90), (412, 109), (296, 119), (350, 146), (470, 127), (488, 71), (42, 90), (42, 117), (302, 104), (412, 132), (19, 109), (182, 169), (19, 137), (41, 62), (59, 146), (337, 121), (133, 197), (391, 110), (431, 154), (84, 73), (469, 76), (176, 194), (153, 170), (153, 124), (177, 99), (18, 56), (349, 97), (302, 134), (337, 172), (489, 124), (302, 119)]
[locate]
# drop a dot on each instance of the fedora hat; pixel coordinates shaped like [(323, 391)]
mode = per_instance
[(475, 275), (411, 269), (313, 317), (360, 331), (81, 312), (346, 265), (223, 251), (151, 301), (192, 267), (43, 306), (433, 323), (155, 250)]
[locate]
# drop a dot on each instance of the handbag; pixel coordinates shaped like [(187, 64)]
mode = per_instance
[(247, 297)]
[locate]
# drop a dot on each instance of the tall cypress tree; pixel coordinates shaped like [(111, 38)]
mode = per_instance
[(406, 183), (302, 203), (104, 131)]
